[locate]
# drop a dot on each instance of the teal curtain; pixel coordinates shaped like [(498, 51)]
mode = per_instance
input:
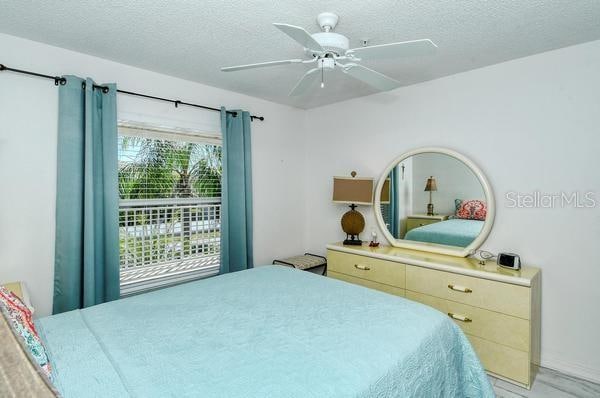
[(394, 210), (236, 193), (86, 267)]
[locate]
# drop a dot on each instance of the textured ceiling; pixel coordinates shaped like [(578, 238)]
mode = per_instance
[(193, 39)]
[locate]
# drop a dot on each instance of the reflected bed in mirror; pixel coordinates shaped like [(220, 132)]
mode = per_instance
[(436, 200)]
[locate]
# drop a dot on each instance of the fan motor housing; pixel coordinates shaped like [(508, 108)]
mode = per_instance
[(332, 42)]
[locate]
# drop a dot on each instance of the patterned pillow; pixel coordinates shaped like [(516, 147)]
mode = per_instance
[(19, 316), (472, 209)]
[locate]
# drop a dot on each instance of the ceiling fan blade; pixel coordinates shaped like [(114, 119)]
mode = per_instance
[(371, 77), (401, 49), (308, 78), (260, 65), (300, 35)]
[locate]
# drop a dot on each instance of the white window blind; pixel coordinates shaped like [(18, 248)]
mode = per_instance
[(170, 205)]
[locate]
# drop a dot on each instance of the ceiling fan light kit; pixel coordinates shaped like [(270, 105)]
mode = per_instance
[(327, 21), (330, 50)]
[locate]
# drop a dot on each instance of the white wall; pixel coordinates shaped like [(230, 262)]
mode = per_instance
[(530, 124), (28, 120)]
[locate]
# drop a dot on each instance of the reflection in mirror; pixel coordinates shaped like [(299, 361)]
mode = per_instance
[(434, 198)]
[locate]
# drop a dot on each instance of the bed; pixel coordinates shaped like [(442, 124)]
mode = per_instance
[(271, 331), (453, 232)]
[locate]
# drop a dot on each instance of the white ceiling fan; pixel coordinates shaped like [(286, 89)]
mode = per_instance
[(330, 51)]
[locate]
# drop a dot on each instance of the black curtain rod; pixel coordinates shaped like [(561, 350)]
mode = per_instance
[(59, 80)]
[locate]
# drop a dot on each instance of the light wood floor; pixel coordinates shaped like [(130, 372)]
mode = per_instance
[(548, 384)]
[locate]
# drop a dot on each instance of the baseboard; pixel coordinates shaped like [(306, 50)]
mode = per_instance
[(569, 368)]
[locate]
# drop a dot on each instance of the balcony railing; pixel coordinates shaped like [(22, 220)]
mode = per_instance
[(164, 241)]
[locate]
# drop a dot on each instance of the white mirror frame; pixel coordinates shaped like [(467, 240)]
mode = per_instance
[(434, 247)]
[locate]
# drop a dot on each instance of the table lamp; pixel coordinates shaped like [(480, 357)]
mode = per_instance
[(353, 191), (430, 187), (385, 192)]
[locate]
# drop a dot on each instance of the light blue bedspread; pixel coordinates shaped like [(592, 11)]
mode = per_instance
[(267, 332), (455, 232)]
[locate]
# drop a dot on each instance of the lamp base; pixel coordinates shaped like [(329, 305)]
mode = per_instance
[(430, 209), (353, 223), (353, 242)]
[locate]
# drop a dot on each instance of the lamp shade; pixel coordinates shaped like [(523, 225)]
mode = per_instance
[(385, 192), (431, 185), (350, 190)]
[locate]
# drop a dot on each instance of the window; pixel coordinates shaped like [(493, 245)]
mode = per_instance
[(385, 213), (170, 206)]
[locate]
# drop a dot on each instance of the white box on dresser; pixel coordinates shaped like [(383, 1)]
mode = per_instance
[(497, 308)]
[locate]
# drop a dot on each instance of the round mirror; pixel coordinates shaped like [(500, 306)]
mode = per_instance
[(436, 200)]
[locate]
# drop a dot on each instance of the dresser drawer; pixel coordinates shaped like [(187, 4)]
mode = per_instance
[(483, 293), (494, 326), (504, 361), (372, 269), (367, 283)]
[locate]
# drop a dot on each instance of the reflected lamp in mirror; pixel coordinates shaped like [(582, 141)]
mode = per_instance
[(385, 192), (353, 191), (430, 186)]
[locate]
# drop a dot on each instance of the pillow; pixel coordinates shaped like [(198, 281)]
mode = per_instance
[(472, 209), (20, 318), (20, 290), (20, 375)]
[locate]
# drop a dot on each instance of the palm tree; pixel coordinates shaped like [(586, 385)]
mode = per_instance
[(163, 169), (159, 169), (208, 171)]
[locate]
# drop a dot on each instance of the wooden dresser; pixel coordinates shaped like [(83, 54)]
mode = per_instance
[(497, 308)]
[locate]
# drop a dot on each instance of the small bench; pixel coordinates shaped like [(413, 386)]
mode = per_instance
[(306, 262)]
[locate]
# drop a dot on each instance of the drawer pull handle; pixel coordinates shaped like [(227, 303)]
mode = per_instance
[(362, 267), (458, 317), (460, 288)]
